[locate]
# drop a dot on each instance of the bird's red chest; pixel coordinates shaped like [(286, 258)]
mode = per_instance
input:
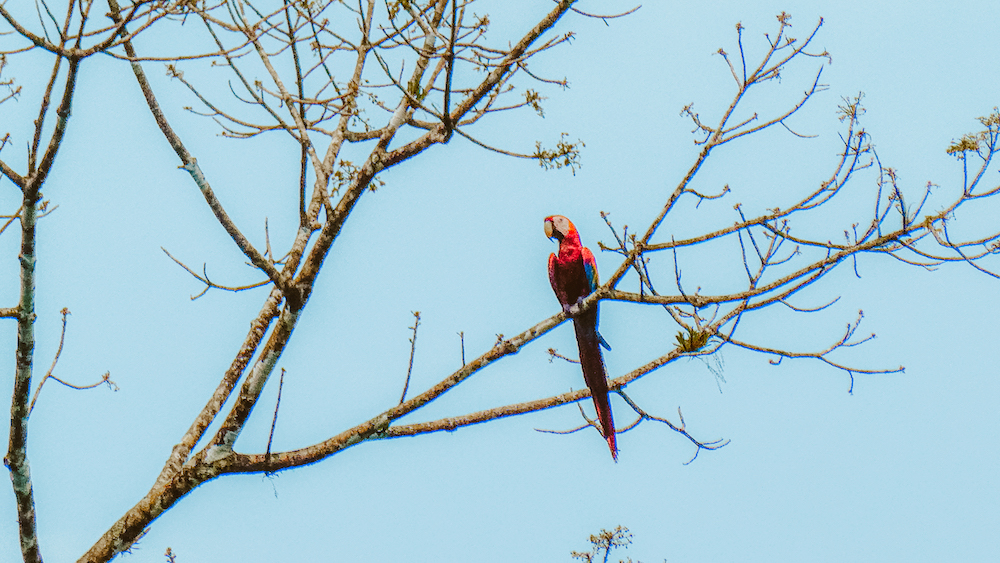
[(570, 275)]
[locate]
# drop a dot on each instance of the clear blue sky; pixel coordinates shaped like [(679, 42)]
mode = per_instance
[(902, 470)]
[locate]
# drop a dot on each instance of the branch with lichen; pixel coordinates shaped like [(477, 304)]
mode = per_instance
[(68, 44)]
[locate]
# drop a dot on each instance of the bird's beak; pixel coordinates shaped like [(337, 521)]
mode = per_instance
[(549, 230)]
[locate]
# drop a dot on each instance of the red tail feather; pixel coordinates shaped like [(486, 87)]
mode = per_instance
[(594, 374)]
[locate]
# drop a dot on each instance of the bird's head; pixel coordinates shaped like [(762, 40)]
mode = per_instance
[(558, 227)]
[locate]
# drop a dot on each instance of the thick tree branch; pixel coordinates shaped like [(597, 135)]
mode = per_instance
[(16, 459)]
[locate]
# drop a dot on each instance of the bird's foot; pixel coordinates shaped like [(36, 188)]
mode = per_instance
[(574, 309)]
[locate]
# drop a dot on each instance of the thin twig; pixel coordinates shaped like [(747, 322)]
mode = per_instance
[(553, 354), (209, 284), (413, 351), (105, 379), (277, 404)]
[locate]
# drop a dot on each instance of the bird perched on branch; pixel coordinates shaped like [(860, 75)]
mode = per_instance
[(573, 274)]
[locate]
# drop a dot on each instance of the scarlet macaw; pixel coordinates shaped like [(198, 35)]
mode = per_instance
[(573, 275)]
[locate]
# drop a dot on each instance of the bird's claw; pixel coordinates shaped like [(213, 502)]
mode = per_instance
[(574, 309)]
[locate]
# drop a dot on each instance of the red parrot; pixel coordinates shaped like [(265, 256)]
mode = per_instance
[(573, 274)]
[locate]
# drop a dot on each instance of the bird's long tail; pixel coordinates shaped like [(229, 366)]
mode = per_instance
[(594, 374)]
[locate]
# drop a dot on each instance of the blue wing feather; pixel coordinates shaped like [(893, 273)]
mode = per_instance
[(590, 268)]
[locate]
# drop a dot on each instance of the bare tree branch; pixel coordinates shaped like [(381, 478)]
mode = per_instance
[(190, 164), (435, 73)]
